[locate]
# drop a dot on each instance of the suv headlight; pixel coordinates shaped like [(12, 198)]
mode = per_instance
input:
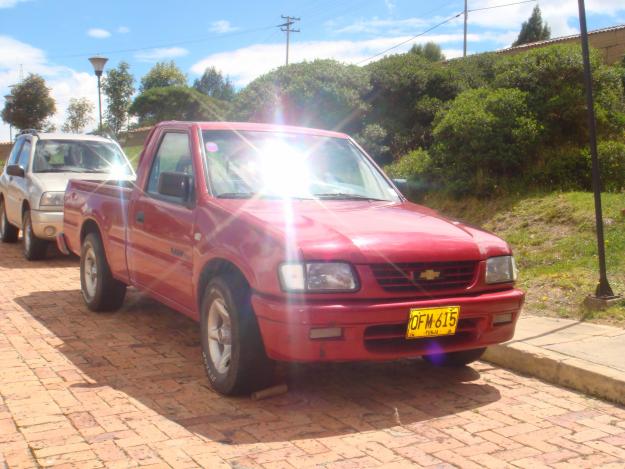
[(501, 269), (317, 277), (52, 199)]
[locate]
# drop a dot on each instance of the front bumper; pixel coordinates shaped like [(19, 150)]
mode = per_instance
[(46, 225), (375, 330)]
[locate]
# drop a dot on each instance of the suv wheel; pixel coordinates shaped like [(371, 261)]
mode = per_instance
[(99, 289), (8, 232), (455, 359), (232, 348), (34, 248)]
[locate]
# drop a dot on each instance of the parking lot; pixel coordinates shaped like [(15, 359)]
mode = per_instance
[(78, 389)]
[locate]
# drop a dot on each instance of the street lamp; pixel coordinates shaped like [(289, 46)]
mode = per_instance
[(604, 296), (98, 66), (9, 98)]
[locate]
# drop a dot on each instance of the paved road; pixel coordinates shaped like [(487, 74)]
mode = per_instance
[(79, 389)]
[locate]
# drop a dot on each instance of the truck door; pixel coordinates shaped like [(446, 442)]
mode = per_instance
[(160, 234), (18, 187)]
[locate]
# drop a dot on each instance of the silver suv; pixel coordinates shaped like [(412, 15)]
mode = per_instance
[(32, 185)]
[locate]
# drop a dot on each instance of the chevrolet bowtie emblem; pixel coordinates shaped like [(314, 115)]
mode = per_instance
[(429, 274)]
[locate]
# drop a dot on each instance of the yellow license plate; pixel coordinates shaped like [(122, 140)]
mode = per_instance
[(432, 322)]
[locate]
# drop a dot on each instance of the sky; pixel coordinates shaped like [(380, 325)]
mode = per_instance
[(54, 38)]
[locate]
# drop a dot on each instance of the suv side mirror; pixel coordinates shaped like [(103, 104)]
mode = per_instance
[(15, 170), (178, 185)]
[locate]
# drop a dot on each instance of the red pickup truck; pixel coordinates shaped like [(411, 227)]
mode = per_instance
[(288, 244)]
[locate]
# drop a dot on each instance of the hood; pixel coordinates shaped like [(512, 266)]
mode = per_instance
[(57, 182), (370, 232)]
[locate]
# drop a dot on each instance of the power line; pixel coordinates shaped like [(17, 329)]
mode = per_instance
[(501, 6), (439, 25), (411, 38), (171, 44)]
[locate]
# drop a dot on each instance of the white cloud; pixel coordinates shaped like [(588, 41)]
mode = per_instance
[(10, 3), (161, 53), (391, 26), (64, 83), (245, 64), (123, 29), (390, 5), (221, 27), (98, 33)]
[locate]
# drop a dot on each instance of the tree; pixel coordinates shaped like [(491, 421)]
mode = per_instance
[(118, 86), (484, 137), (78, 115), (322, 93), (176, 103), (212, 83), (533, 29), (430, 51), (30, 105), (161, 75)]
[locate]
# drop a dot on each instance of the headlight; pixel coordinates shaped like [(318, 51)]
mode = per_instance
[(501, 269), (317, 277), (52, 199)]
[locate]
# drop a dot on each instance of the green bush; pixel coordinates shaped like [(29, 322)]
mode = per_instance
[(485, 137), (411, 166), (612, 164), (563, 167)]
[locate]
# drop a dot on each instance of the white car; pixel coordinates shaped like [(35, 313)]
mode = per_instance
[(32, 185)]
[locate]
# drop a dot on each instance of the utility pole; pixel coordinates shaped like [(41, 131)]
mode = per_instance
[(286, 27), (466, 12)]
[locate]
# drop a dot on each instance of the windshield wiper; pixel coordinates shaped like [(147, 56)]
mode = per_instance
[(346, 196)]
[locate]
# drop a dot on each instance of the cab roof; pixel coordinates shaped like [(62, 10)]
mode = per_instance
[(258, 128)]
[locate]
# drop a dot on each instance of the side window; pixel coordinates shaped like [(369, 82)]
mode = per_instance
[(15, 152), (24, 155), (173, 155)]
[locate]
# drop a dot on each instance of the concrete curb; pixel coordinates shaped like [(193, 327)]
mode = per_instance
[(556, 368)]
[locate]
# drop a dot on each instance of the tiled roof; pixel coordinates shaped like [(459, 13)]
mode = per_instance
[(560, 39)]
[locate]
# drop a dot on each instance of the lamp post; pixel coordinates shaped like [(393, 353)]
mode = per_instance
[(604, 295), (8, 98), (98, 66)]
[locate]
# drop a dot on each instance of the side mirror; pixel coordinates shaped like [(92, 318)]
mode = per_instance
[(15, 170), (401, 184), (178, 185)]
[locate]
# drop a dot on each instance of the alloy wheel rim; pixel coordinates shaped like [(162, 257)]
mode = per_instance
[(219, 335), (27, 234), (2, 219), (90, 273)]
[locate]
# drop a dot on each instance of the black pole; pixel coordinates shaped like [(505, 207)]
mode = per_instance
[(603, 289), (99, 100)]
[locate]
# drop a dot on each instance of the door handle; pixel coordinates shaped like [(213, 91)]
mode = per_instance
[(140, 217)]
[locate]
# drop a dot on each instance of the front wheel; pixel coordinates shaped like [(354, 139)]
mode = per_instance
[(8, 232), (232, 348), (34, 248), (99, 289), (455, 359)]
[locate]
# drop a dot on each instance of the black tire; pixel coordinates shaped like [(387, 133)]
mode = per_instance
[(455, 359), (8, 232), (99, 289), (248, 368), (34, 248)]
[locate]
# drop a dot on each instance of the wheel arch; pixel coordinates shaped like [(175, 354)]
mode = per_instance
[(213, 268), (89, 226)]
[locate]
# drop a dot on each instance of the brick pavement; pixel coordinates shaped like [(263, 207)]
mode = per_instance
[(78, 389)]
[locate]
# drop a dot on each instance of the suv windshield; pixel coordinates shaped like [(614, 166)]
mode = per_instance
[(244, 164), (80, 156)]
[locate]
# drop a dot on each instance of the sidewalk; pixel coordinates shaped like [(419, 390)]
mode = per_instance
[(587, 357)]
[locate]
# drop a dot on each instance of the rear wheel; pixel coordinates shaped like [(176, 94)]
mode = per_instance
[(8, 232), (99, 289), (461, 358), (34, 248), (232, 348)]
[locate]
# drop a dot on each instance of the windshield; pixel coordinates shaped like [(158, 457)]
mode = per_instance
[(244, 164), (79, 156)]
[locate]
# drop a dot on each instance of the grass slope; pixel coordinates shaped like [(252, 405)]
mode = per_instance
[(553, 238)]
